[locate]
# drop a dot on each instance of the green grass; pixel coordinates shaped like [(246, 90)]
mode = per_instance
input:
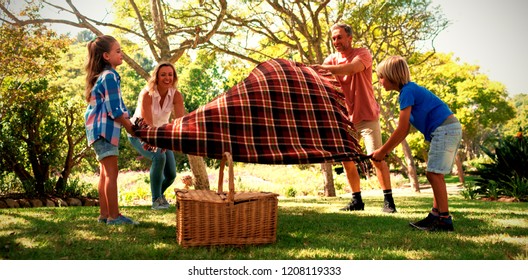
[(308, 228)]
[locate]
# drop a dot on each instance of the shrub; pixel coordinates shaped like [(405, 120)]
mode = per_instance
[(518, 188), (78, 188), (469, 191), (291, 192), (507, 172), (9, 183), (494, 190)]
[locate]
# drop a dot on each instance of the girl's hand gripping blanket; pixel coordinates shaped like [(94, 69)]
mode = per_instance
[(282, 113)]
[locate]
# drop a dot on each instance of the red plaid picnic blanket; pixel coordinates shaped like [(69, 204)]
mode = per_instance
[(283, 113)]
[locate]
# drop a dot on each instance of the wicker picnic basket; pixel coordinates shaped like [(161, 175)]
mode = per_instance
[(205, 217)]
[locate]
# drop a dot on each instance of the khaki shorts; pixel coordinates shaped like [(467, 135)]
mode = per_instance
[(370, 131)]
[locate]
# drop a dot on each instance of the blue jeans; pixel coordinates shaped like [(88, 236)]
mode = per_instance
[(162, 170), (443, 148)]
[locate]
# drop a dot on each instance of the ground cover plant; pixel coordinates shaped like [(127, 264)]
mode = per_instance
[(308, 228), (506, 173)]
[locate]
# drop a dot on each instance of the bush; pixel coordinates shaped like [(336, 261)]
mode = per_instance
[(9, 183), (506, 173), (518, 188), (291, 192), (469, 191), (78, 188)]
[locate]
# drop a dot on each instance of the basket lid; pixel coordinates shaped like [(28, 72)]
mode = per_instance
[(201, 195), (215, 197), (246, 196)]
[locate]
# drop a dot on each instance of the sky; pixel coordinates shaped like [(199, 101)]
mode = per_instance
[(488, 33), (491, 34)]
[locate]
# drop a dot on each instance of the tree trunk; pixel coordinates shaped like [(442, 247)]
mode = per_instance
[(39, 164), (328, 179), (460, 168), (411, 167), (201, 181), (60, 186)]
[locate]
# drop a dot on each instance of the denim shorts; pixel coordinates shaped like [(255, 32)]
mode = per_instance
[(443, 148), (103, 149)]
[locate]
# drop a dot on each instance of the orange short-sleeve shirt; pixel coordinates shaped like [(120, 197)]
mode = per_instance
[(359, 94)]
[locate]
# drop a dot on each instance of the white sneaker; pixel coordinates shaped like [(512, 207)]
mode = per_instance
[(158, 204)]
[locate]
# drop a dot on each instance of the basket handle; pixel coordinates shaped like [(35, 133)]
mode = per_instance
[(231, 194)]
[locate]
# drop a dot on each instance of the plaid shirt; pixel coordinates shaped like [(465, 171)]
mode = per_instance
[(106, 104)]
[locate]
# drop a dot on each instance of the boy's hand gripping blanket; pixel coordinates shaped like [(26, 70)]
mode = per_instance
[(282, 113)]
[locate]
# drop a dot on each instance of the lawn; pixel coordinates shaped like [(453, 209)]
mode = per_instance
[(309, 228)]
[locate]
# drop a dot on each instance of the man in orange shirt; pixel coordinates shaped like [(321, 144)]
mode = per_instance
[(353, 69)]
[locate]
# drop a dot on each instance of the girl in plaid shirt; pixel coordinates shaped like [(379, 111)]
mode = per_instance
[(105, 115)]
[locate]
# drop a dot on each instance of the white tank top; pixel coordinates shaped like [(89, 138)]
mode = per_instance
[(160, 113)]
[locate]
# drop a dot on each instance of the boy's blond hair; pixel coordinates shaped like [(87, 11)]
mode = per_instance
[(395, 69)]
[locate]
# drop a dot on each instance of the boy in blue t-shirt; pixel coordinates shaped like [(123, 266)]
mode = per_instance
[(432, 117)]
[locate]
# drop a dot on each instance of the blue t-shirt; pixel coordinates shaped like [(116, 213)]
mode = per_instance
[(428, 111)]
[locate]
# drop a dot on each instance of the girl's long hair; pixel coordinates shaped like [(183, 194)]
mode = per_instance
[(96, 63), (153, 80)]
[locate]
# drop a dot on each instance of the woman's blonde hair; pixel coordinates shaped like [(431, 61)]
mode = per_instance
[(96, 63), (153, 80), (395, 69)]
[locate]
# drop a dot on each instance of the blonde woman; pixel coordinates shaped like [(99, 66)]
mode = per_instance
[(157, 102), (432, 117)]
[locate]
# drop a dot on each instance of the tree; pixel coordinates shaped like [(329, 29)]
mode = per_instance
[(35, 124), (481, 105), (520, 103), (201, 80), (254, 31), (300, 30), (149, 21)]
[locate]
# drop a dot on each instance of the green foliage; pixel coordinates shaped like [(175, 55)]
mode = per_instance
[(9, 183), (29, 187), (40, 109), (469, 192), (507, 172), (473, 164), (494, 190), (520, 103), (30, 129), (481, 105), (201, 80), (78, 188), (517, 188), (291, 192)]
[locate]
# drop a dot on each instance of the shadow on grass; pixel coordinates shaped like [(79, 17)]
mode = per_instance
[(307, 229)]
